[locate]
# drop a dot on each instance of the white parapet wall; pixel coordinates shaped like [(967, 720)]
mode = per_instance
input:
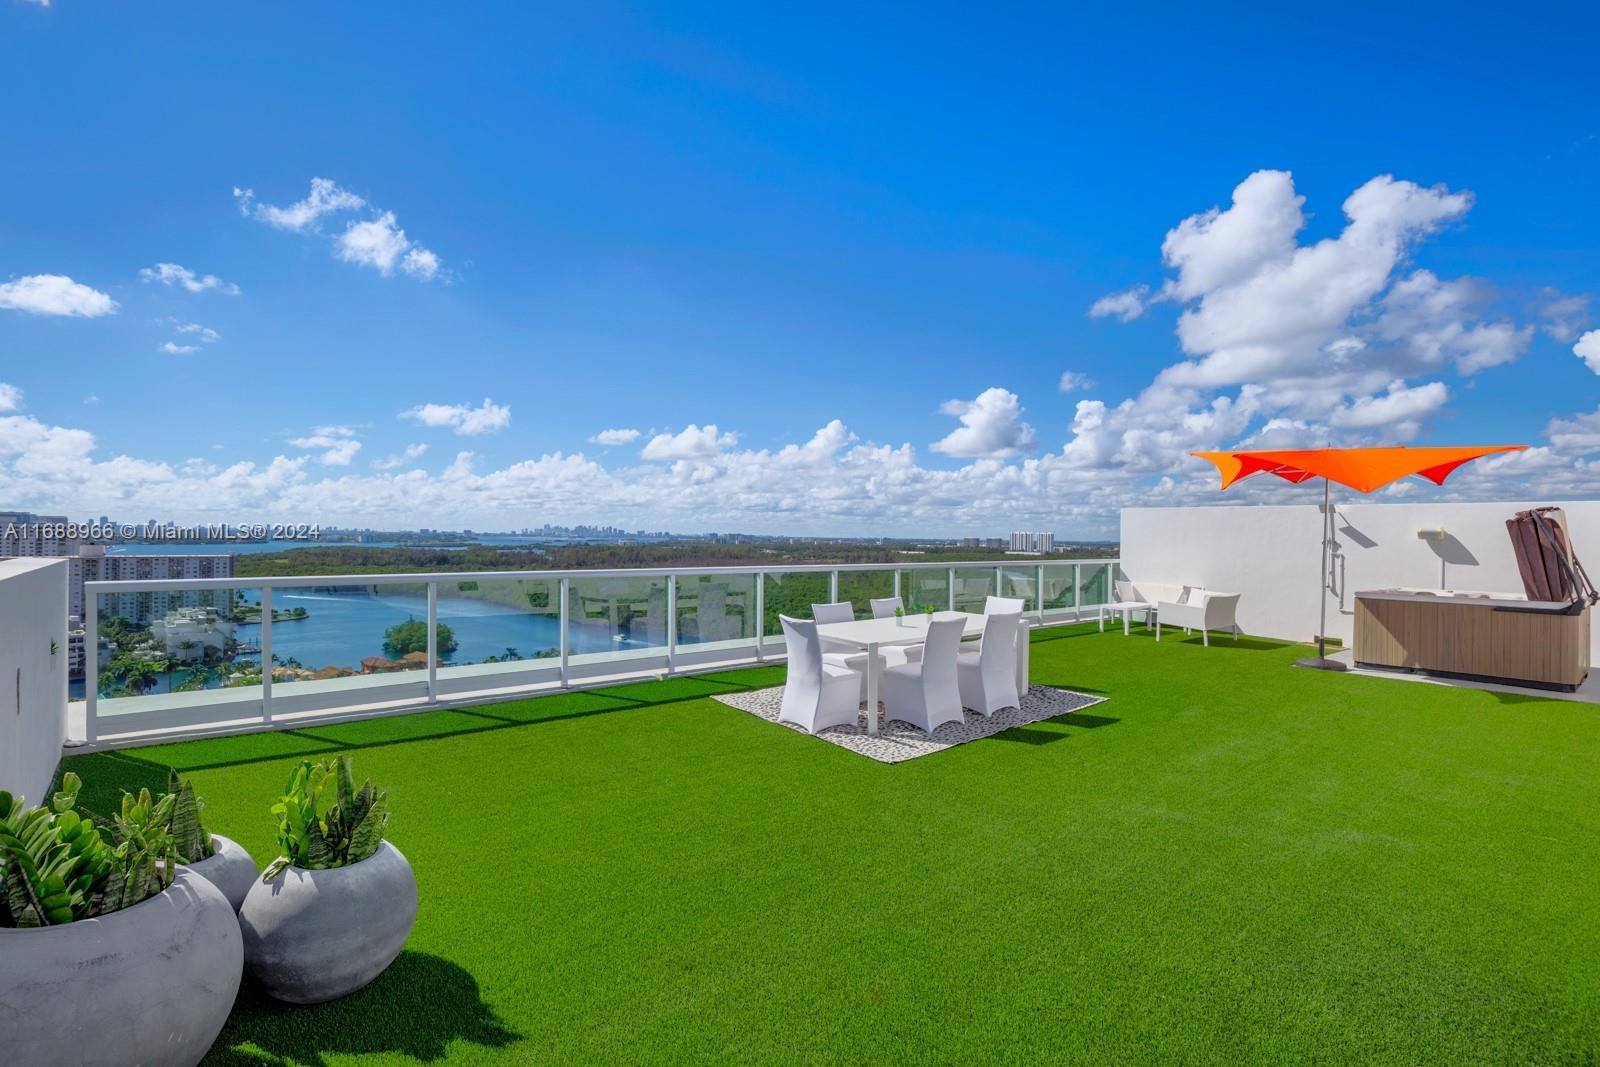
[(1271, 555), (33, 673)]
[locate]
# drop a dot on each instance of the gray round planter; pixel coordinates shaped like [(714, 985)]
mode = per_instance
[(230, 869), (311, 936), (149, 984)]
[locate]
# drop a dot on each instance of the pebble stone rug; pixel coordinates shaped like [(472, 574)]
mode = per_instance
[(896, 741)]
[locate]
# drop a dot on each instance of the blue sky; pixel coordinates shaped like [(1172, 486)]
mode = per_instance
[(834, 230)]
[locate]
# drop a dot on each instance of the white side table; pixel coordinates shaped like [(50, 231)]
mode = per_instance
[(1126, 609)]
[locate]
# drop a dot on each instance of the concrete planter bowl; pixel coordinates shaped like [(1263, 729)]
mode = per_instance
[(148, 984), (230, 869), (312, 936)]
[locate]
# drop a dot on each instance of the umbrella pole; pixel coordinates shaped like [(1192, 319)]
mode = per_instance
[(1321, 661), (1322, 623)]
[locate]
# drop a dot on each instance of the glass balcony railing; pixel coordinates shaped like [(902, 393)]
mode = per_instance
[(971, 587), (792, 593), (922, 589), (716, 611), (861, 588), (211, 652), (617, 617)]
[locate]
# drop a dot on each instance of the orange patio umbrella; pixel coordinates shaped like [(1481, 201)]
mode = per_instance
[(1365, 470)]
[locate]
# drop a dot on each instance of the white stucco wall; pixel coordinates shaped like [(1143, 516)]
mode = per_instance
[(1271, 555), (33, 681)]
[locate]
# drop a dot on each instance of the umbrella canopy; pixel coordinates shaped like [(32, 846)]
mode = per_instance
[(1365, 470)]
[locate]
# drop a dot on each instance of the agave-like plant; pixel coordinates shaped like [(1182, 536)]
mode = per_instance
[(53, 862), (324, 821)]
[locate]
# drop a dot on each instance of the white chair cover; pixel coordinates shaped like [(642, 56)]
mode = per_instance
[(927, 694), (816, 694), (885, 608), (988, 677)]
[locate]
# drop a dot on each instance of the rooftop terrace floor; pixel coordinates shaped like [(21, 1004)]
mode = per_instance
[(1229, 860)]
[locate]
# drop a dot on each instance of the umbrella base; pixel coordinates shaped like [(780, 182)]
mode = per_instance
[(1321, 663)]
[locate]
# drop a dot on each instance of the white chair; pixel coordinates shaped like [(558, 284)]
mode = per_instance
[(987, 675), (841, 611), (997, 605), (1204, 611), (927, 694), (818, 692), (885, 608)]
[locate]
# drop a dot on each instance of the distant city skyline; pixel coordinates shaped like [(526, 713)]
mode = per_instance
[(933, 277)]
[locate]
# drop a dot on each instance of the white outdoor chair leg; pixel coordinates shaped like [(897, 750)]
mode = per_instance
[(1205, 638)]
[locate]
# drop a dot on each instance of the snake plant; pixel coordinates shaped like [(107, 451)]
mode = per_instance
[(146, 856), (324, 821), (58, 867), (189, 833)]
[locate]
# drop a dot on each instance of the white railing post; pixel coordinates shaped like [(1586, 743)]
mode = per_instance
[(565, 595), (266, 653), (761, 616), (999, 579), (672, 619), (1077, 590), (1111, 582), (433, 642), (833, 587), (1038, 591), (896, 582), (950, 588), (91, 664)]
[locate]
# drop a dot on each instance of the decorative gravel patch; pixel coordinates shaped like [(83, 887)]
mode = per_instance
[(896, 741)]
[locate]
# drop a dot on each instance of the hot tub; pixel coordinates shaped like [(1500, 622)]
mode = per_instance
[(1495, 637)]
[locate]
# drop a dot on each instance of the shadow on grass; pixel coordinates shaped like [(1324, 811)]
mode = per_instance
[(119, 769), (1084, 721), (105, 776), (418, 1008), (1028, 735), (1243, 644)]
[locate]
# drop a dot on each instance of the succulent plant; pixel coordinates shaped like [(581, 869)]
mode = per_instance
[(324, 821), (189, 833), (53, 862), (145, 857)]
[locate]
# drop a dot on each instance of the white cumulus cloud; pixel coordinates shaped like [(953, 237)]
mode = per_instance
[(991, 426), (1072, 382), (1588, 349), (55, 294), (203, 333), (1124, 306), (1283, 341), (172, 348), (614, 437), (173, 274), (1400, 408), (338, 444), (376, 242), (382, 244), (325, 198), (692, 442), (401, 458), (10, 397), (467, 421)]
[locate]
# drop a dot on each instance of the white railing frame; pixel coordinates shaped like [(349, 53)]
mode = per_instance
[(430, 582)]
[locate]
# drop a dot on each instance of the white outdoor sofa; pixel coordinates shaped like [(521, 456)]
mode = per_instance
[(1187, 606)]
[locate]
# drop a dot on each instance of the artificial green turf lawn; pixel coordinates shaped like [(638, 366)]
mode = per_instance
[(1230, 861)]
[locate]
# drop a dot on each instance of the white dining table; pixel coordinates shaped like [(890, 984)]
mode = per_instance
[(870, 635)]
